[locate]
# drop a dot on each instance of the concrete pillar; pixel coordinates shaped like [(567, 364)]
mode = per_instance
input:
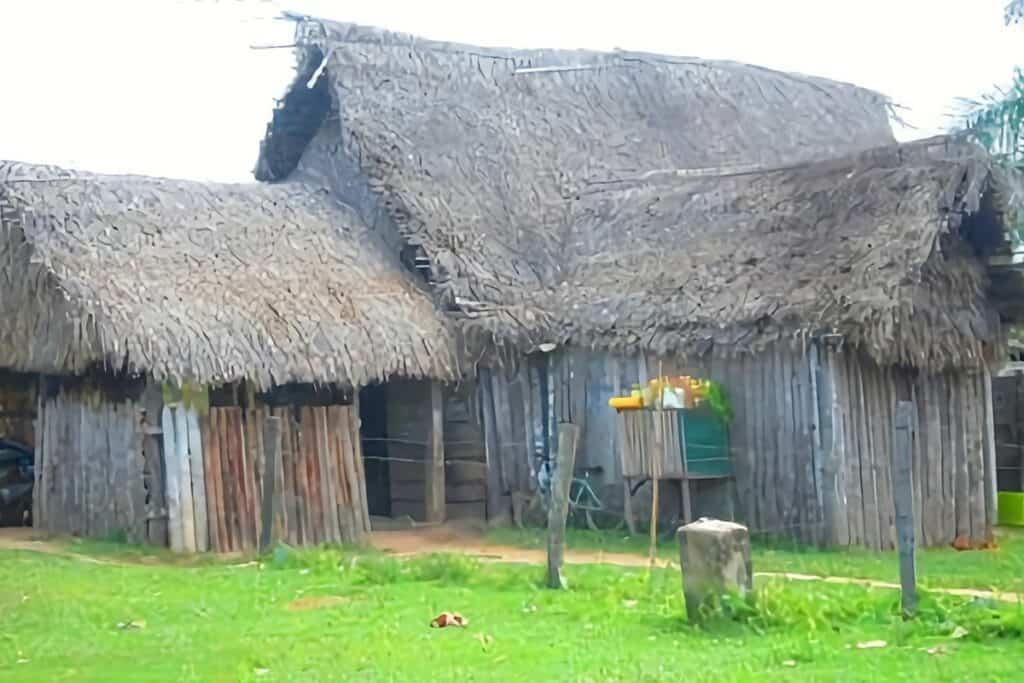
[(715, 559)]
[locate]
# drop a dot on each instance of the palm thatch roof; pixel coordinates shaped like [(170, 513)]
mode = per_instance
[(625, 201), (204, 282)]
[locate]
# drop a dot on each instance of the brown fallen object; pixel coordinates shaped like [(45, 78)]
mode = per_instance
[(448, 619)]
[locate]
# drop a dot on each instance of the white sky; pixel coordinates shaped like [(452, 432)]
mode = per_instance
[(171, 87)]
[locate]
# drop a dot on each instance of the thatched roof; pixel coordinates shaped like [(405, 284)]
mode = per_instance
[(629, 201), (203, 282)]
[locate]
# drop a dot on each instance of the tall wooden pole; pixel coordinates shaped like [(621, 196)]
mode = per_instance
[(561, 481), (903, 500), (271, 455), (435, 458)]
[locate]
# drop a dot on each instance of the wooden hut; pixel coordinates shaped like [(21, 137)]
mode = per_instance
[(160, 324), (635, 212)]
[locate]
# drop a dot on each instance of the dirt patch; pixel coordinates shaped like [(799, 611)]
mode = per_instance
[(317, 602), (447, 540)]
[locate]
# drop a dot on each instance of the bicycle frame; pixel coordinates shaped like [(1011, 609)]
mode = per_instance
[(585, 497)]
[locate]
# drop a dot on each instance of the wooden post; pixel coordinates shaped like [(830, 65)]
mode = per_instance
[(197, 469), (991, 465), (434, 498), (271, 456), (903, 501), (492, 445), (561, 480), (687, 502), (172, 481)]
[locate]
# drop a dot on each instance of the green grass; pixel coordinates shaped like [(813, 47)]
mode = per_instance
[(60, 617), (1001, 568)]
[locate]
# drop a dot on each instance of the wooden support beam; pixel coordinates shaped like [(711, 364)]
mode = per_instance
[(903, 502), (561, 480), (434, 496), (268, 503)]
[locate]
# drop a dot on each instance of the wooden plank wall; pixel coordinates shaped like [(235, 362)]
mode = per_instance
[(950, 451), (408, 427), (91, 468), (465, 460), (1008, 409), (810, 440), (320, 482)]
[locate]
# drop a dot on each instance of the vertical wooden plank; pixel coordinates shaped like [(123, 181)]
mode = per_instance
[(211, 458), (138, 512), (272, 453), (249, 457), (808, 515), (198, 472), (903, 500), (329, 459), (838, 460), (302, 483), (314, 530), (962, 494), (230, 477), (769, 442), (882, 423), (933, 503), (950, 448), (289, 492), (357, 446), (175, 527), (434, 475), (561, 480), (865, 447), (918, 457), (248, 462), (492, 444), (783, 465), (281, 491), (754, 398), (236, 493), (976, 463), (988, 427), (188, 521), (338, 425)]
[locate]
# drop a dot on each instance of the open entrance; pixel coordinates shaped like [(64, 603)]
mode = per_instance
[(17, 466)]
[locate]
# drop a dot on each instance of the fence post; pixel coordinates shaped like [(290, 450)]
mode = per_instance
[(558, 509), (903, 500), (271, 454), (435, 495)]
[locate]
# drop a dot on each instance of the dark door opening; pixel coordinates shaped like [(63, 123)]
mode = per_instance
[(374, 434), (17, 466)]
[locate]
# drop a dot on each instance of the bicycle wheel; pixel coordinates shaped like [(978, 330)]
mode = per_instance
[(603, 520)]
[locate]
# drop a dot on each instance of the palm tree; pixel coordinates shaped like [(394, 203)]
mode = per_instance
[(996, 120), (1015, 12)]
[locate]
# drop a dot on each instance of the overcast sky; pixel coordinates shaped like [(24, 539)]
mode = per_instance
[(171, 87)]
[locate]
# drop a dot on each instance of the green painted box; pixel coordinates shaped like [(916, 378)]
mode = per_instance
[(707, 443), (1011, 508)]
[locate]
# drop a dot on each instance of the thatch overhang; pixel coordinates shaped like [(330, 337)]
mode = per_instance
[(633, 201), (206, 283)]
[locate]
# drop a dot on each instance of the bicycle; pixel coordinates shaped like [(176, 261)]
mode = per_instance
[(584, 502)]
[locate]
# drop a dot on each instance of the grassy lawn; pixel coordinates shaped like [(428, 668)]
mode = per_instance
[(1001, 568), (328, 615)]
